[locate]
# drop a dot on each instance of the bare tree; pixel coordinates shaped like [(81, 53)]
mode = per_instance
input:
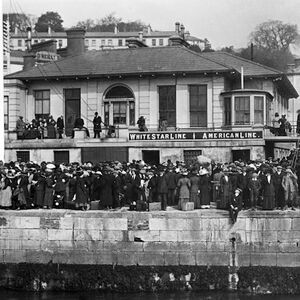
[(274, 35)]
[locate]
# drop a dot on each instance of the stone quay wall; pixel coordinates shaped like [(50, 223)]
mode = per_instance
[(171, 238)]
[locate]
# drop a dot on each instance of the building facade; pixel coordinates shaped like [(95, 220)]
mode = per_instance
[(214, 104)]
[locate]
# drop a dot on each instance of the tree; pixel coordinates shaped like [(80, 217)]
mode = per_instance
[(274, 35), (277, 59), (88, 24), (50, 18), (108, 23), (19, 21)]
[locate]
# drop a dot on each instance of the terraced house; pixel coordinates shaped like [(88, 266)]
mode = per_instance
[(214, 103)]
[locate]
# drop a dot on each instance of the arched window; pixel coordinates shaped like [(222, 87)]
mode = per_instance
[(119, 106)]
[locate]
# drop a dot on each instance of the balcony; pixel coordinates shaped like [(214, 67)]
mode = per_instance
[(127, 136)]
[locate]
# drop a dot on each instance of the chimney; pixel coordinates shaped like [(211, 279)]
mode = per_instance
[(182, 28), (135, 43), (177, 26), (49, 30), (187, 34), (16, 30), (116, 29), (149, 29), (28, 41), (29, 61), (140, 35), (176, 40), (75, 39)]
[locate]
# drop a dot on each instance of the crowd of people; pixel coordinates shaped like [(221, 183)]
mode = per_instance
[(281, 126), (233, 186), (40, 128)]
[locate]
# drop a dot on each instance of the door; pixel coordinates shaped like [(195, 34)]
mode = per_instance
[(72, 109), (243, 155), (151, 157)]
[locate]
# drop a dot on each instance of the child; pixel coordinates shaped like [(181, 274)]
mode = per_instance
[(235, 205)]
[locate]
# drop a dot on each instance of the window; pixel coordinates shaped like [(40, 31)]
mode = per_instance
[(227, 111), (6, 112), (36, 41), (106, 113), (153, 42), (23, 156), (161, 42), (258, 110), (109, 42), (42, 103), (167, 104), (198, 105), (102, 42), (242, 110), (131, 113), (20, 42), (87, 42), (120, 42), (93, 43), (119, 106), (119, 112)]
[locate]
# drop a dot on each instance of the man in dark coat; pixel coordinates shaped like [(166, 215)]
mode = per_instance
[(60, 126), (172, 184), (20, 127), (97, 125), (242, 183), (268, 190), (162, 189), (279, 191)]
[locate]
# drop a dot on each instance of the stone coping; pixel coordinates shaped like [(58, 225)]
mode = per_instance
[(170, 213)]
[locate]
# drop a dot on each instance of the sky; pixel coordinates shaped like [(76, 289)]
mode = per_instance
[(222, 22)]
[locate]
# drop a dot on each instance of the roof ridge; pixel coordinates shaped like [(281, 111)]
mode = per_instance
[(251, 61), (200, 54)]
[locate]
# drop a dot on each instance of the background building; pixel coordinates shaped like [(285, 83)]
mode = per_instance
[(100, 40)]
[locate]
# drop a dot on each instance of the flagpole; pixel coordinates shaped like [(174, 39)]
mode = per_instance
[(1, 98)]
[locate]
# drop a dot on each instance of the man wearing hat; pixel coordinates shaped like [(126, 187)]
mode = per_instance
[(254, 187), (279, 191), (235, 205), (268, 190), (20, 127)]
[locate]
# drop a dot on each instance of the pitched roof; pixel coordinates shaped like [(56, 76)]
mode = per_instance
[(251, 68), (132, 61)]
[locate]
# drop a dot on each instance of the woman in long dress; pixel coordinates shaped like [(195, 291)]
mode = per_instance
[(204, 189), (194, 191), (226, 190), (183, 185), (5, 192)]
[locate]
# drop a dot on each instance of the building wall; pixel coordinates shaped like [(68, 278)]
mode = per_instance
[(146, 95), (165, 238)]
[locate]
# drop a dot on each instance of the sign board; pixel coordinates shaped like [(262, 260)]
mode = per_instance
[(45, 56), (201, 135)]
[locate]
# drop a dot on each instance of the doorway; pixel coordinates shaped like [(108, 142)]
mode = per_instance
[(72, 109), (151, 157), (243, 155)]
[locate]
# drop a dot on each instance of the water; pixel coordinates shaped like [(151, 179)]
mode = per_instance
[(15, 295)]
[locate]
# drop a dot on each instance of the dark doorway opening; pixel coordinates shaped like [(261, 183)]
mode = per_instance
[(61, 157), (243, 155), (151, 157), (72, 109), (269, 149)]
